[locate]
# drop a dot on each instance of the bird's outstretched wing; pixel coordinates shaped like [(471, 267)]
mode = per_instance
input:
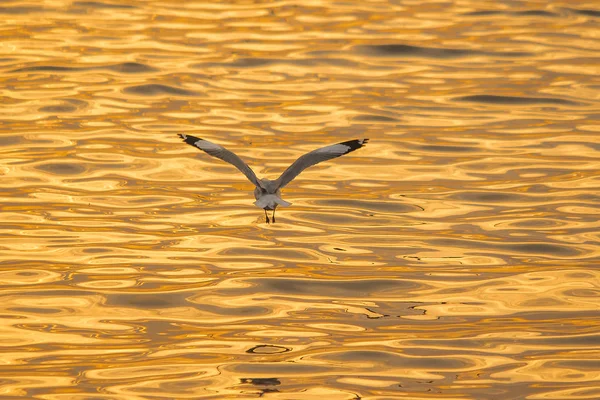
[(221, 152), (317, 156)]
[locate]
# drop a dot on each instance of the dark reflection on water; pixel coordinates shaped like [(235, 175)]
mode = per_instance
[(62, 169), (454, 256), (526, 13), (261, 381), (158, 89), (98, 4), (334, 289), (591, 13), (399, 50), (127, 67), (514, 100)]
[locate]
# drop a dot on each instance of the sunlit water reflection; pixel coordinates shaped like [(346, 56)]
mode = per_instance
[(454, 256)]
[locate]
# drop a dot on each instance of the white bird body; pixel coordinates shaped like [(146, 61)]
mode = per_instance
[(268, 192), (269, 201)]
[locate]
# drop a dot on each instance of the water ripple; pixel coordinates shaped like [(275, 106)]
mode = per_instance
[(455, 255), (400, 50)]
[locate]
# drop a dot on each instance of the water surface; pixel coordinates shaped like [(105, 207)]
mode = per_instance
[(454, 256)]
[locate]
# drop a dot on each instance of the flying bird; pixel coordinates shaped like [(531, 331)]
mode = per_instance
[(268, 192)]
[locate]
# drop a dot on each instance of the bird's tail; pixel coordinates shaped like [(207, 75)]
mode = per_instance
[(270, 200), (283, 203)]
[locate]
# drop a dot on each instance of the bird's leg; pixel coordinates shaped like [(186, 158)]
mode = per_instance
[(267, 217), (274, 215)]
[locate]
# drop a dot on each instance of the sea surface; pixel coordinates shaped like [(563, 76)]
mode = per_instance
[(456, 256)]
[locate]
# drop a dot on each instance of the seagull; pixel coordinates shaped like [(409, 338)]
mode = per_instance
[(268, 192)]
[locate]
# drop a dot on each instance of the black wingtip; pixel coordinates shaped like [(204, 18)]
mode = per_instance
[(355, 144), (188, 139)]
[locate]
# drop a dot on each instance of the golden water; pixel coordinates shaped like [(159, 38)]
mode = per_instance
[(455, 256)]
